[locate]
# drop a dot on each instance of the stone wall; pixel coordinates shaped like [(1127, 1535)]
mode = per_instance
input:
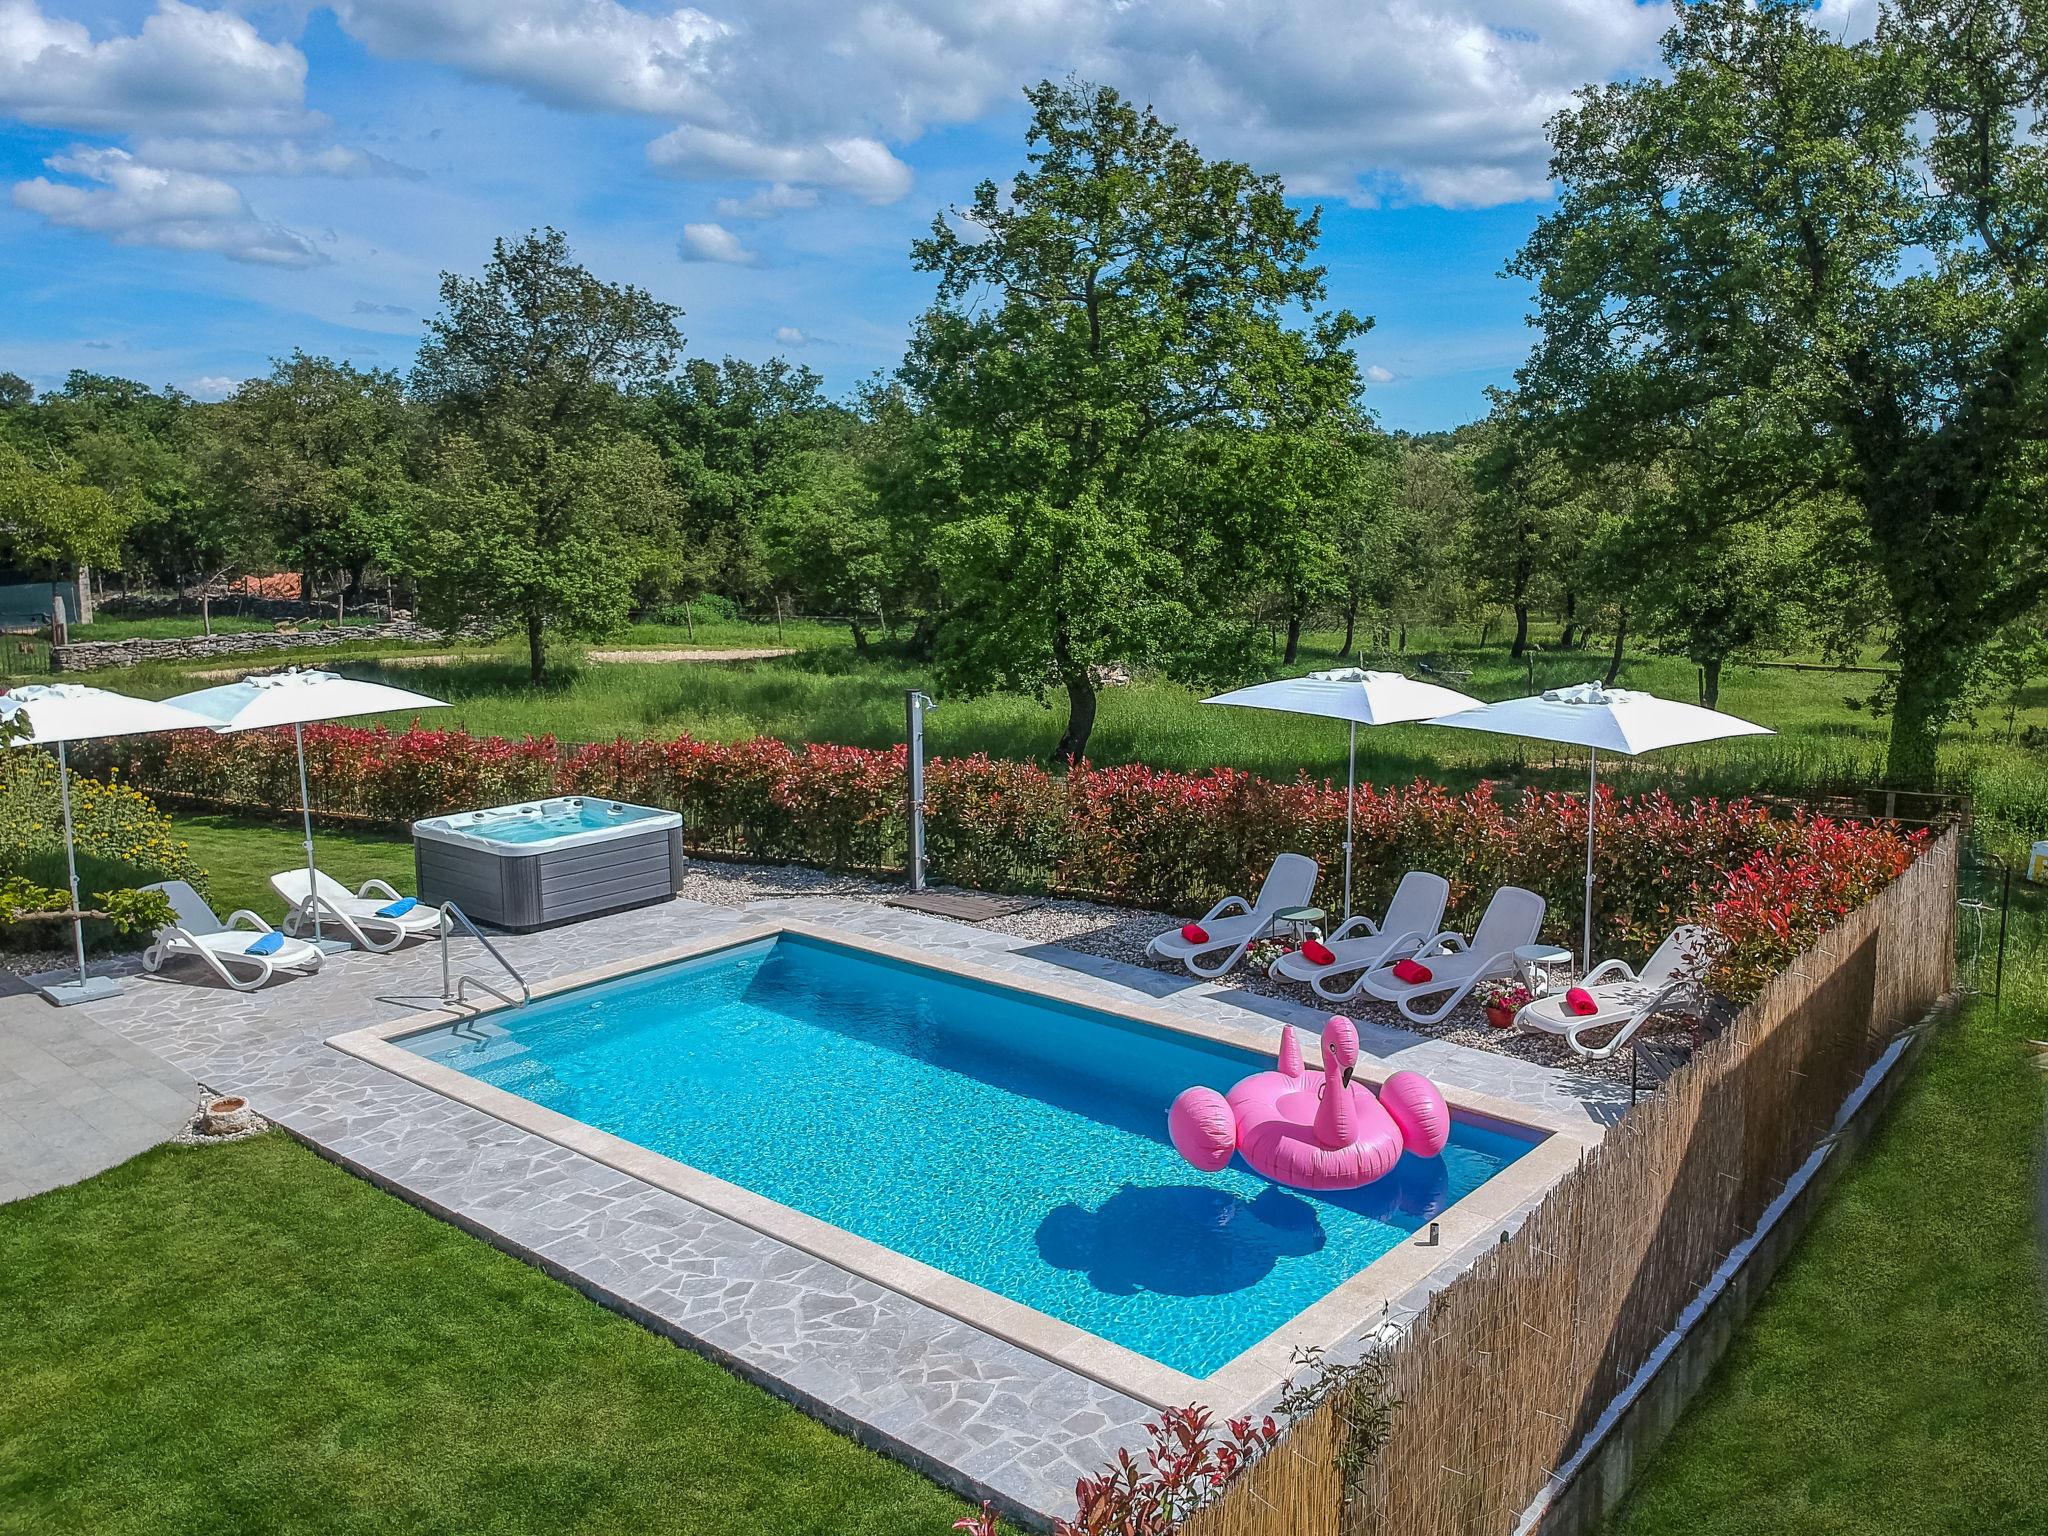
[(94, 655)]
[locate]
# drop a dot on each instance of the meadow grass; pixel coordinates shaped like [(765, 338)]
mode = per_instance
[(1828, 734)]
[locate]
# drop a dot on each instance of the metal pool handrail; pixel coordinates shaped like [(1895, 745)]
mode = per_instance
[(451, 989)]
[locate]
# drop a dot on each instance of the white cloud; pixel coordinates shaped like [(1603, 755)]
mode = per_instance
[(777, 197), (132, 203), (1438, 100), (712, 242), (864, 167), (211, 386), (568, 53), (187, 70), (1375, 374), (790, 336), (250, 157)]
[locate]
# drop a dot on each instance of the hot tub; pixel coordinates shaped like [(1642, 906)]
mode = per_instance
[(548, 861)]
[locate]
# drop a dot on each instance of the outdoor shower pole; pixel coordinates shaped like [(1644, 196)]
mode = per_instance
[(915, 703), (1350, 801)]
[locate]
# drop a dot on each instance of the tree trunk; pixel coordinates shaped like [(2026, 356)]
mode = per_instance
[(205, 611), (1350, 627), (84, 585), (306, 585), (1925, 701), (1403, 645), (340, 598), (1521, 645), (1293, 640), (860, 638), (1614, 660), (1571, 606), (536, 647), (1080, 717), (1710, 682)]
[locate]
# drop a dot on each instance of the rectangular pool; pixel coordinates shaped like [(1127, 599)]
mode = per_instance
[(1011, 1140)]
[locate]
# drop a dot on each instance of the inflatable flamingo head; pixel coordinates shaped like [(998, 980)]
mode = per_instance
[(1340, 1043)]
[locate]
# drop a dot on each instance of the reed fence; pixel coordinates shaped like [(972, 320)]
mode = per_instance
[(1513, 1363)]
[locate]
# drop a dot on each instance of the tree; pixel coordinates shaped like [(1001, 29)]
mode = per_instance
[(526, 372), (1526, 513), (1122, 293), (310, 461), (50, 518), (740, 439), (1819, 264)]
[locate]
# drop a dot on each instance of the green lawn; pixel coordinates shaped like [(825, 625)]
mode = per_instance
[(1895, 1378), (247, 1339), (178, 626), (240, 856)]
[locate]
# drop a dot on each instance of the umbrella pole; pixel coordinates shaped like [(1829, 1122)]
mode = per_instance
[(1350, 802), (1592, 801), (306, 805), (71, 860)]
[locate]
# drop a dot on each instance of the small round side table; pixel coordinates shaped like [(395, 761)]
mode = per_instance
[(1537, 965)]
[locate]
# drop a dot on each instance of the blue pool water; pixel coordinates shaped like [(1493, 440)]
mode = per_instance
[(1012, 1141)]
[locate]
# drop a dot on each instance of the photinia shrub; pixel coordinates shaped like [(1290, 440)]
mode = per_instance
[(1769, 885)]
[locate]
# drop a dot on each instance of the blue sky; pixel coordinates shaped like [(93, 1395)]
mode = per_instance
[(191, 190)]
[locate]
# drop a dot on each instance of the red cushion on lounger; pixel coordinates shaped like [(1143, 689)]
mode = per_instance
[(1580, 1001), (1412, 972), (1316, 952), (1195, 933)]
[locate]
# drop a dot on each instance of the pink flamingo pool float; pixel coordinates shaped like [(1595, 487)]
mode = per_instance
[(1313, 1130)]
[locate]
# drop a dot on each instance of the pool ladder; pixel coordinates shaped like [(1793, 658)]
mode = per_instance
[(452, 987)]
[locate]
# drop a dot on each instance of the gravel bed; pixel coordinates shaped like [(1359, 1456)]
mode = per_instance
[(1121, 933)]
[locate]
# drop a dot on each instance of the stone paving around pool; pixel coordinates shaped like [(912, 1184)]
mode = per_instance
[(971, 1410)]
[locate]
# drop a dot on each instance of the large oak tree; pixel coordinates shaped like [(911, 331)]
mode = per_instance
[(1120, 293), (1801, 263)]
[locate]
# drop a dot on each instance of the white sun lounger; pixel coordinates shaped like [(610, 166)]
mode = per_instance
[(223, 947), (1457, 965), (355, 915), (1626, 998), (1359, 943), (1291, 882)]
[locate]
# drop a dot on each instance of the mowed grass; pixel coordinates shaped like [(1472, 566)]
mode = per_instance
[(240, 855), (247, 1339), (1895, 1378)]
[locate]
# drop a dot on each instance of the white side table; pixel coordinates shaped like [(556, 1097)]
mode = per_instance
[(1537, 965)]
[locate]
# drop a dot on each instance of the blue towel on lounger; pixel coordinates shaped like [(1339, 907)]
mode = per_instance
[(269, 944), (398, 908)]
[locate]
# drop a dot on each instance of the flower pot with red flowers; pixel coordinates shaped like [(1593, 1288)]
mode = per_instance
[(1502, 1000)]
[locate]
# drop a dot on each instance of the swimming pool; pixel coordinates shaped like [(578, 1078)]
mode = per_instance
[(1012, 1140)]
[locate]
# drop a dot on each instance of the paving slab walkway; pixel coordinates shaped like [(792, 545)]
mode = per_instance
[(974, 1411), (77, 1097)]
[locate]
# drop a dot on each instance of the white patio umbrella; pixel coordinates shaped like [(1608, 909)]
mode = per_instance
[(296, 698), (1360, 697), (57, 714), (1602, 720)]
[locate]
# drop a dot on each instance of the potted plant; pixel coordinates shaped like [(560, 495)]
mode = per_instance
[(1502, 1000)]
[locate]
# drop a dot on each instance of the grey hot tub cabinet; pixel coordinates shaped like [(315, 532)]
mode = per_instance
[(524, 888)]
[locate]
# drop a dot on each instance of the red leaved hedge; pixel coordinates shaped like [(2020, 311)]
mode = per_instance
[(1176, 841)]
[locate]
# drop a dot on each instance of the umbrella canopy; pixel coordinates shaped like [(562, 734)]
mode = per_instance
[(1604, 720), (59, 713), (1351, 693), (296, 698), (1607, 719), (1360, 697)]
